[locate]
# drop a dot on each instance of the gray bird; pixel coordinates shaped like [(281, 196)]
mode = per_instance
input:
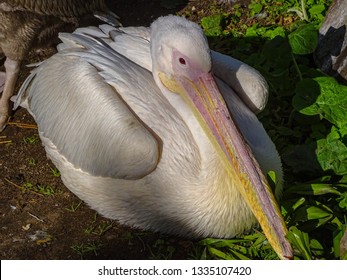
[(25, 24)]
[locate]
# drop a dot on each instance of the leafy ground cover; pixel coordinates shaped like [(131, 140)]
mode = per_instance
[(306, 118)]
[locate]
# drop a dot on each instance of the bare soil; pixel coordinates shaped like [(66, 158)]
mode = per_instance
[(57, 225)]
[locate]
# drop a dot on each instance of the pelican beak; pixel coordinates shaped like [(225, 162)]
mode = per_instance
[(209, 107)]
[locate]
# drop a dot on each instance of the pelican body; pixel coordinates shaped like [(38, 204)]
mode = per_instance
[(145, 127)]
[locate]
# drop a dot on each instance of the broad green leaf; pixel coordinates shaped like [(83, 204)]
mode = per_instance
[(271, 178), (343, 180), (229, 243), (290, 205), (255, 8), (316, 9), (322, 96), (260, 240), (312, 189), (343, 201), (252, 31), (219, 254), (336, 221), (272, 33), (239, 255), (298, 203), (316, 247), (304, 40), (212, 25), (311, 213), (314, 216), (300, 241), (332, 152)]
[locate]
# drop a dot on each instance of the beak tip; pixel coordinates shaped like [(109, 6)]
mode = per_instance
[(287, 252)]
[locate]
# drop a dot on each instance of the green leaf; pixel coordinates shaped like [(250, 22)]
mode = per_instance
[(255, 8), (300, 241), (265, 32), (316, 9), (332, 152), (219, 254), (239, 255), (316, 247), (278, 31), (312, 189), (252, 31), (343, 201), (271, 178), (322, 96), (312, 213), (304, 40), (213, 25), (259, 241), (290, 205), (298, 203)]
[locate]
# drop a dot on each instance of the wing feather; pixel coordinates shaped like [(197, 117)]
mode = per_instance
[(85, 117), (246, 81)]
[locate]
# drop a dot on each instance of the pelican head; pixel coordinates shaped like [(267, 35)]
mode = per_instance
[(179, 48), (182, 66)]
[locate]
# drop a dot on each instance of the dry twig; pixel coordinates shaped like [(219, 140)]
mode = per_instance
[(23, 125), (21, 188)]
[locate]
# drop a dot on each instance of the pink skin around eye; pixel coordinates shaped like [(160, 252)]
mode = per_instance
[(182, 65)]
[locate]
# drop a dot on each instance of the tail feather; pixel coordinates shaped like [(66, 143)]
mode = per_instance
[(109, 17)]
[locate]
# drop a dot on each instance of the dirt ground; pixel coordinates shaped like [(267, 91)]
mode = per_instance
[(39, 217)]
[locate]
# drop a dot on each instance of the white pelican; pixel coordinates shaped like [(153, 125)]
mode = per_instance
[(140, 131), (25, 24)]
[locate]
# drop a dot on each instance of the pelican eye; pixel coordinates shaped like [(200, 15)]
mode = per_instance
[(182, 61)]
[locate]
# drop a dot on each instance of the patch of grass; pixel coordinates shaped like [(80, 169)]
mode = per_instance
[(84, 249), (247, 246), (32, 162), (55, 172), (99, 228), (31, 139), (74, 206), (39, 188)]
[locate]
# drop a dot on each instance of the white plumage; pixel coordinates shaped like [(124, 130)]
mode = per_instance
[(132, 147)]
